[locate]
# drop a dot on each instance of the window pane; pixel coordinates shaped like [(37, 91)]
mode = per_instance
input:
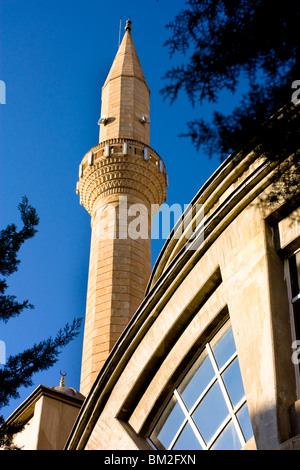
[(196, 380), (187, 440), (296, 308), (233, 381), (228, 439), (295, 273), (223, 346), (244, 420), (211, 412), (169, 423), (211, 416)]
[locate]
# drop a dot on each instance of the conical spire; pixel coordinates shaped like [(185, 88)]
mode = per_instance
[(126, 61), (125, 96)]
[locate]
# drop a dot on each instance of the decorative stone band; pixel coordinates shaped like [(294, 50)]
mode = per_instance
[(121, 166)]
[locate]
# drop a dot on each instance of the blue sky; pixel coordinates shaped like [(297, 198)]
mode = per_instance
[(55, 56)]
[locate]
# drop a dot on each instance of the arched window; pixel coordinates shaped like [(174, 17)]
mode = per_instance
[(208, 410)]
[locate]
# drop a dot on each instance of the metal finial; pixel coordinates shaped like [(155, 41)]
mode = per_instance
[(128, 26), (62, 380)]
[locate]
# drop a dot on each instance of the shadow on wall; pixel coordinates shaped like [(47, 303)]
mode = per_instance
[(267, 436)]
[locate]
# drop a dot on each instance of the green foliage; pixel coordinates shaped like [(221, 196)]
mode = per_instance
[(11, 241), (19, 369), (226, 41)]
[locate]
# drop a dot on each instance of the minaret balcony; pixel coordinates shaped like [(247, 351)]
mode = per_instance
[(116, 146), (121, 165)]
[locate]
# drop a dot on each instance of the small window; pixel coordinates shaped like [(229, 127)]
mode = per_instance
[(208, 410)]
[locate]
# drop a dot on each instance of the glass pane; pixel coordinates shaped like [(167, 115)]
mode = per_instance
[(296, 308), (168, 424), (228, 439), (295, 273), (211, 412), (187, 440), (233, 381), (244, 420), (196, 380), (223, 346)]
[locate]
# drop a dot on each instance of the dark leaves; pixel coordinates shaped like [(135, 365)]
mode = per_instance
[(227, 40), (11, 241)]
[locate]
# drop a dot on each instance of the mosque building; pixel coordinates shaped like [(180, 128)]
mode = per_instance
[(200, 353)]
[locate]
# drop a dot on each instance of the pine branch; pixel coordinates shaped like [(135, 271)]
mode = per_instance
[(19, 369), (11, 240), (227, 40)]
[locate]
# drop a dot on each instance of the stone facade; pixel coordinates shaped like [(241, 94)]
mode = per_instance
[(48, 415), (238, 272)]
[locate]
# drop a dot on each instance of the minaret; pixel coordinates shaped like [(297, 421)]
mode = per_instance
[(122, 183)]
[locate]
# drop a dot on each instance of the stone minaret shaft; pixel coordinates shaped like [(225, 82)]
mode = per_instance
[(122, 183)]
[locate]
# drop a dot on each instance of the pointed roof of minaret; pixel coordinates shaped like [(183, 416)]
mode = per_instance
[(126, 61)]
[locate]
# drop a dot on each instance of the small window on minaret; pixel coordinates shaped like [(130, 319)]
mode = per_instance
[(107, 150)]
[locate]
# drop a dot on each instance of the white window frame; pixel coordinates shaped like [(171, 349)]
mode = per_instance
[(292, 300), (232, 409)]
